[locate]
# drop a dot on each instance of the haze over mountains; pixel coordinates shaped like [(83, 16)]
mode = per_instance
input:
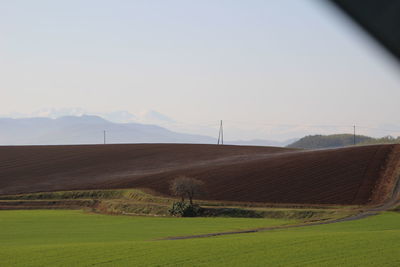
[(124, 127), (88, 129), (118, 116)]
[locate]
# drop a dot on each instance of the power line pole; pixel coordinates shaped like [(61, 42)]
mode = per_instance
[(221, 134), (104, 136), (354, 134)]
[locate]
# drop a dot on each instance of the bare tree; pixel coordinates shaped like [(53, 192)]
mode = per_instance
[(184, 186)]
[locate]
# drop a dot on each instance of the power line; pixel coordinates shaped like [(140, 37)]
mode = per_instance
[(264, 124)]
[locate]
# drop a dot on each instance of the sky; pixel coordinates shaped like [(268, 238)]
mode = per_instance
[(272, 69)]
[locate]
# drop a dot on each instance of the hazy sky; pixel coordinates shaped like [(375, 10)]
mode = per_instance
[(256, 64)]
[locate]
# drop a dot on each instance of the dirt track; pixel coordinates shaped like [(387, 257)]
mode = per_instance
[(230, 173)]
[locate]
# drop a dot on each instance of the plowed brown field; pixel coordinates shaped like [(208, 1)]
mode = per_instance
[(352, 175)]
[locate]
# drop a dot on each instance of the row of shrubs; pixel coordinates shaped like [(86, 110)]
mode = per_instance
[(184, 209)]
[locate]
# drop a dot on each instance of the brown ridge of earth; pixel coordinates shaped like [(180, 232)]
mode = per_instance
[(27, 169), (345, 176)]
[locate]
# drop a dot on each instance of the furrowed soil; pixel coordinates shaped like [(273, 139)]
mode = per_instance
[(346, 176)]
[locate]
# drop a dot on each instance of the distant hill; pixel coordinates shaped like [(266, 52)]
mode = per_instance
[(330, 141), (87, 129), (340, 140), (384, 140)]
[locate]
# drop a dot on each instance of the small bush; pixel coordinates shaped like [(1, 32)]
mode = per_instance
[(183, 209), (231, 212)]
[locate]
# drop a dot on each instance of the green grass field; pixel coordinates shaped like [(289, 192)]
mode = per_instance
[(75, 238)]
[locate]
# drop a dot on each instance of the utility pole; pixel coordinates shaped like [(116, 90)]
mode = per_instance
[(104, 136), (221, 134), (354, 134)]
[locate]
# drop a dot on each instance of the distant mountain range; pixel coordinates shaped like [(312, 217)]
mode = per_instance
[(88, 129), (117, 116)]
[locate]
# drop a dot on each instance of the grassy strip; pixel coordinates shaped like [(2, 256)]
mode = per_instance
[(140, 195), (135, 201), (88, 194)]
